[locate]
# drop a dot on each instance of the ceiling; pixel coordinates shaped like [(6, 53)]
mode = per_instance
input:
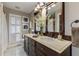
[(26, 7)]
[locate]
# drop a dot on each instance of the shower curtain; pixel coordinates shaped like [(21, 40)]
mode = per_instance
[(3, 31)]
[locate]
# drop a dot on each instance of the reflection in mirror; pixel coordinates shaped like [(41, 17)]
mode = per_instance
[(54, 17), (40, 18)]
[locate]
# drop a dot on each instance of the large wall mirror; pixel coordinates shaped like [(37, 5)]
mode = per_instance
[(52, 17), (55, 17), (40, 19)]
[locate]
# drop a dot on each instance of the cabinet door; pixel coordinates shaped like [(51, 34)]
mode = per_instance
[(45, 51), (26, 45), (31, 47), (39, 53)]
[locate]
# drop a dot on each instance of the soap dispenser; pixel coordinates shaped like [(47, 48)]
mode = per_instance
[(60, 36)]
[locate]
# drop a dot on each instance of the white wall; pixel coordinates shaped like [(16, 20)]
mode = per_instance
[(0, 29), (71, 14), (3, 31), (8, 11)]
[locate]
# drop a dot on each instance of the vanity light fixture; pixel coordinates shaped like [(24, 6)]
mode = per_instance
[(36, 9), (53, 5), (49, 8), (39, 5)]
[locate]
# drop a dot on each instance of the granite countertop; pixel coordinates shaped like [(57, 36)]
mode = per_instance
[(52, 43)]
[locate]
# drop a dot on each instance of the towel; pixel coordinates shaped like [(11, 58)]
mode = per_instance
[(75, 36)]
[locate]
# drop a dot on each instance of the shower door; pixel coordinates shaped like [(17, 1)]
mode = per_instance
[(15, 34)]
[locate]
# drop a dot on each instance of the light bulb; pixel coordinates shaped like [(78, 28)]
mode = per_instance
[(53, 5), (41, 4), (35, 9), (38, 6), (49, 7)]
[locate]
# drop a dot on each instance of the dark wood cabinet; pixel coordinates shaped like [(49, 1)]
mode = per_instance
[(39, 52), (31, 47), (34, 48), (45, 50), (26, 44)]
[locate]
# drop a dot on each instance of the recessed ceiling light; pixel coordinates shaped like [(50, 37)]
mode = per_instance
[(17, 7)]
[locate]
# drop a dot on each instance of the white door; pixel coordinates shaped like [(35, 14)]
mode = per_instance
[(14, 29)]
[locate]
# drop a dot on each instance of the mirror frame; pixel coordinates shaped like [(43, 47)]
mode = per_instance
[(62, 21)]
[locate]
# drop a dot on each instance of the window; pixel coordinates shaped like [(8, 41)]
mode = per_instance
[(15, 28)]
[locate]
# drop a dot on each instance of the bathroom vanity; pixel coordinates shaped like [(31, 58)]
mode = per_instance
[(46, 46), (51, 16)]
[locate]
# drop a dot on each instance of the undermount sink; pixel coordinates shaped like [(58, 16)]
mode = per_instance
[(45, 38)]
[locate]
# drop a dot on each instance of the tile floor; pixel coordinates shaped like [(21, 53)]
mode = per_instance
[(15, 51)]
